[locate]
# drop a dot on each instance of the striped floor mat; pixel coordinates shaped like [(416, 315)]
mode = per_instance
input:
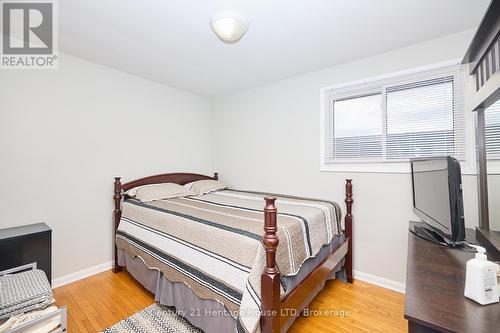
[(155, 318)]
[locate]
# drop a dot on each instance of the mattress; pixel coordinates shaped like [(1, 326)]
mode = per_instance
[(212, 243)]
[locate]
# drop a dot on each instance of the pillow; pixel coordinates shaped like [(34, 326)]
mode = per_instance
[(133, 190), (161, 191), (206, 186)]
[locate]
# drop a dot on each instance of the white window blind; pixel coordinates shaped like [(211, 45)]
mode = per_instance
[(365, 138), (416, 115), (492, 130)]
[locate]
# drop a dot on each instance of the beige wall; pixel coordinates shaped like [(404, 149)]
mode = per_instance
[(267, 138), (64, 134)]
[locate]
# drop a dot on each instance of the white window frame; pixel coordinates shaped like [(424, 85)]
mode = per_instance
[(468, 166)]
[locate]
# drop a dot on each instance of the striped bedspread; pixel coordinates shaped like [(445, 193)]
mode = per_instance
[(212, 243)]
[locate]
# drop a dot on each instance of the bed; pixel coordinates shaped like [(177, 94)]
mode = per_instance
[(206, 255)]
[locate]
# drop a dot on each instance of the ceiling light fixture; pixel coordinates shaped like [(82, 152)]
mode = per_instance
[(229, 26)]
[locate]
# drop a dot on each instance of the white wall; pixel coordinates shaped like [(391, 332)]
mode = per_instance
[(64, 134), (267, 138)]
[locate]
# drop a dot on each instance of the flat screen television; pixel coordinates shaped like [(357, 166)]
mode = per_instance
[(437, 200)]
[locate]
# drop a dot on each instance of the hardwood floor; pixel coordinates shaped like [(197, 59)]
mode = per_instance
[(101, 300)]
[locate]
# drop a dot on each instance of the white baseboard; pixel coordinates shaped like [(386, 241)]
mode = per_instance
[(379, 281), (65, 279)]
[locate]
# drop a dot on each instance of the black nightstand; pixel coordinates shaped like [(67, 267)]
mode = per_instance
[(26, 244)]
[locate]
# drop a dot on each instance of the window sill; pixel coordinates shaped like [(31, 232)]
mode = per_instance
[(382, 167), (493, 167), (371, 167)]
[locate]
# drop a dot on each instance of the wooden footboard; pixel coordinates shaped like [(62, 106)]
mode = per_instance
[(277, 315), (348, 228)]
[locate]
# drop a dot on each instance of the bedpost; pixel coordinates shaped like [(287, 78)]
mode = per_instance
[(216, 175), (348, 228), (270, 278), (117, 197)]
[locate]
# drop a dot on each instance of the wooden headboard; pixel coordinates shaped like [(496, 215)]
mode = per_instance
[(180, 178)]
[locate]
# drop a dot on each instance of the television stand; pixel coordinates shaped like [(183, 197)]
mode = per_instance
[(434, 296), (424, 231)]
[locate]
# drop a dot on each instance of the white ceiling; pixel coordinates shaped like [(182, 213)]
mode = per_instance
[(170, 41)]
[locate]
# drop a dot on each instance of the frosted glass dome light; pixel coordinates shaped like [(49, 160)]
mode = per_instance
[(229, 26)]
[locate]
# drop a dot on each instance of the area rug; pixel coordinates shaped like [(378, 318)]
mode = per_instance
[(155, 318)]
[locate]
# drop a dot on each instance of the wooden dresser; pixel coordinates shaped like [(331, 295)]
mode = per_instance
[(434, 300)]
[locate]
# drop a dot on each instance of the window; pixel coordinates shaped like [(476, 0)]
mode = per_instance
[(492, 130), (420, 119), (366, 137), (396, 118)]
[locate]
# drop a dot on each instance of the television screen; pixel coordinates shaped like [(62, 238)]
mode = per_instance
[(437, 195)]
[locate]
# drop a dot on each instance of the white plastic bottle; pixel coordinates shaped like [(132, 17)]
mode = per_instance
[(480, 278)]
